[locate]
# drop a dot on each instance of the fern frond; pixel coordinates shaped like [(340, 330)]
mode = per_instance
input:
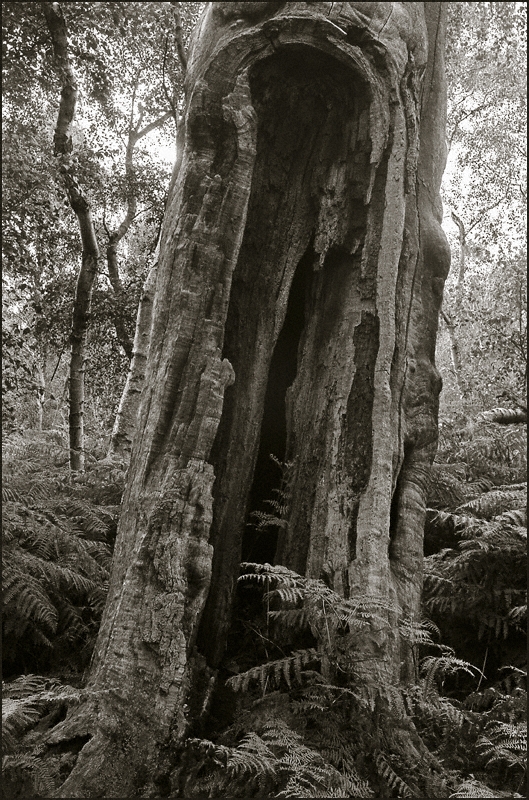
[(288, 668), (24, 597), (505, 416), (17, 715), (495, 502), (390, 777), (251, 755), (60, 577), (20, 765), (92, 520), (440, 666), (517, 517), (472, 788), (505, 742), (451, 521), (266, 520), (286, 594), (27, 685), (447, 485), (418, 632)]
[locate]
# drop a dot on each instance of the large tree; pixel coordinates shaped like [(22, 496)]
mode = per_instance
[(299, 281)]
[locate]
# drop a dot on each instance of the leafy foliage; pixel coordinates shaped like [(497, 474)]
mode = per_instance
[(278, 756), (475, 590), (479, 578), (484, 193), (130, 76)]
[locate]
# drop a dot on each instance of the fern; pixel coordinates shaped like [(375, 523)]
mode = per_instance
[(485, 576), (56, 555), (278, 518), (473, 788), (288, 668), (493, 503), (505, 416), (17, 716), (390, 777), (26, 768), (447, 485), (26, 701), (517, 518), (438, 667), (505, 743)]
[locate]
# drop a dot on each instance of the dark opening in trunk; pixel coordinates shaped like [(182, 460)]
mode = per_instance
[(260, 545)]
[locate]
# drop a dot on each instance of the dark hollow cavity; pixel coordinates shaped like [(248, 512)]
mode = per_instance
[(310, 109), (260, 545)]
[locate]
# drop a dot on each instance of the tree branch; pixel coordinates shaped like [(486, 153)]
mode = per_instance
[(157, 123), (487, 209), (179, 37)]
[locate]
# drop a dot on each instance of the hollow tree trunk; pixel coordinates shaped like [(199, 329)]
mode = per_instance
[(299, 282), (90, 252)]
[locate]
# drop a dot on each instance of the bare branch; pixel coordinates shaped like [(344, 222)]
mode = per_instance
[(487, 209), (157, 123), (466, 116)]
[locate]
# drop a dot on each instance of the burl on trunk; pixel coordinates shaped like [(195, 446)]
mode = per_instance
[(300, 277)]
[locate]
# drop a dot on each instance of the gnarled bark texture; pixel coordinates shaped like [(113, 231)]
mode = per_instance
[(299, 282)]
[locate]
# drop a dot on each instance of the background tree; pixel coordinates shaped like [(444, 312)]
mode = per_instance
[(482, 348), (116, 76)]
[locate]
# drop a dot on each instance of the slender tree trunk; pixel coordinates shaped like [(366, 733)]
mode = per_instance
[(462, 261), (450, 319), (299, 283), (127, 415), (455, 354), (134, 135), (41, 395), (90, 252), (119, 296)]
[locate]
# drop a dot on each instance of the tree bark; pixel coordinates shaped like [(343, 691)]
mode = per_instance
[(90, 251), (299, 283)]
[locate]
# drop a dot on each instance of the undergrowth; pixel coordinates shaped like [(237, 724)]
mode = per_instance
[(57, 537), (305, 720), (307, 725)]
